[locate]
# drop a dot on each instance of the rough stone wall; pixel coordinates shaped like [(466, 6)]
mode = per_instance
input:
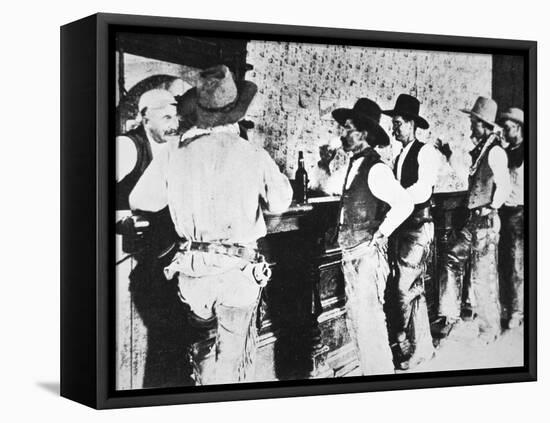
[(300, 84)]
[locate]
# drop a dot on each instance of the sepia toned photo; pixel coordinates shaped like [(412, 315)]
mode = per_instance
[(298, 210)]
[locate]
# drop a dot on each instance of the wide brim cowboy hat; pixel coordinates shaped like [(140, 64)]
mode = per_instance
[(485, 109), (365, 115), (217, 99), (408, 107)]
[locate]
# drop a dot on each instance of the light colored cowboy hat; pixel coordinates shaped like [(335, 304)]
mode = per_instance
[(365, 115), (485, 109), (514, 114), (217, 99), (408, 107)]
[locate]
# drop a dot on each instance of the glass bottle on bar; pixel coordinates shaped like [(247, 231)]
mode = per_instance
[(301, 181)]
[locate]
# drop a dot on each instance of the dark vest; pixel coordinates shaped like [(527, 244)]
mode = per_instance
[(360, 210), (161, 233), (144, 156), (409, 171), (481, 180)]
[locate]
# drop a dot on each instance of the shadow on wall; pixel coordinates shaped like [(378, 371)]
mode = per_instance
[(50, 387)]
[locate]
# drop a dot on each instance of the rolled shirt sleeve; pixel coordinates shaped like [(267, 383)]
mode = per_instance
[(126, 156), (385, 187), (498, 162)]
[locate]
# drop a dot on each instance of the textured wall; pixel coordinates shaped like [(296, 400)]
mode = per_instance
[(300, 84)]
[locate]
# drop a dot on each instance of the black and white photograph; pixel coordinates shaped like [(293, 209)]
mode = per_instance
[(243, 211), (291, 210)]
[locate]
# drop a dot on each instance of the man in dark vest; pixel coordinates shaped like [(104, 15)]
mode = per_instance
[(373, 205), (511, 214), (148, 234), (477, 242), (416, 168)]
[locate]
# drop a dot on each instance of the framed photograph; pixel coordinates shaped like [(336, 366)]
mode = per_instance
[(257, 211)]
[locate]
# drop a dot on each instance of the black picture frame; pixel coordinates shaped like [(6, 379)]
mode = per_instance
[(87, 224)]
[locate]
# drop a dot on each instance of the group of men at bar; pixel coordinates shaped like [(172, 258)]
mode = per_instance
[(197, 199), (386, 228)]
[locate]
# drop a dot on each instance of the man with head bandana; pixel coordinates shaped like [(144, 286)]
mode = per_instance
[(149, 235)]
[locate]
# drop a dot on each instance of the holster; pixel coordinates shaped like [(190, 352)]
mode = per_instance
[(148, 235), (420, 215), (476, 220)]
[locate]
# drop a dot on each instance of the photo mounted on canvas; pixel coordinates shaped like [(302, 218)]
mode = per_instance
[(305, 210)]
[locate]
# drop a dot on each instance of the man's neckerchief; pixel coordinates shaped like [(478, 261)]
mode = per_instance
[(479, 151), (515, 156), (195, 133)]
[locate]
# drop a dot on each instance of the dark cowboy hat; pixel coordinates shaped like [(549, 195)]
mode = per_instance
[(365, 115), (408, 107), (217, 99)]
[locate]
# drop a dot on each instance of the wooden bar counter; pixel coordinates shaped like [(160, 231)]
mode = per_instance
[(303, 331), (301, 318)]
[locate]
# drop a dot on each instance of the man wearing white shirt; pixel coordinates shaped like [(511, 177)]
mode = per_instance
[(373, 205), (416, 169), (219, 184), (142, 159), (511, 214), (477, 242)]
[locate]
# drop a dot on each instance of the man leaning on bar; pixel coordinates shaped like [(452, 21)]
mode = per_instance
[(373, 205)]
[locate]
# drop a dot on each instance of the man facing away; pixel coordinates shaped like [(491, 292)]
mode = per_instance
[(511, 215), (373, 205), (476, 243), (218, 186), (416, 169)]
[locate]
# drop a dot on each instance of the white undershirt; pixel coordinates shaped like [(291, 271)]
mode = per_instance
[(498, 162), (402, 157), (149, 193), (429, 162), (516, 183), (126, 157)]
